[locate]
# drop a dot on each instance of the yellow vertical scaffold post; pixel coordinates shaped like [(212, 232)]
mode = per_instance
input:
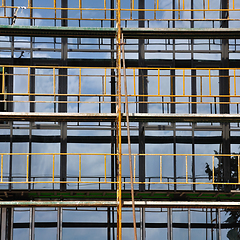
[(119, 140)]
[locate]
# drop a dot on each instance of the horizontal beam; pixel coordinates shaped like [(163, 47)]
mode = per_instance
[(58, 203), (184, 204), (111, 195), (158, 63), (134, 139), (58, 117), (111, 117), (146, 204), (124, 225), (181, 33), (129, 33), (68, 32), (152, 117)]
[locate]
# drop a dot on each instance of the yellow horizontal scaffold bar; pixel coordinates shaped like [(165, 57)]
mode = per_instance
[(144, 68), (101, 12), (105, 159), (147, 9), (206, 79)]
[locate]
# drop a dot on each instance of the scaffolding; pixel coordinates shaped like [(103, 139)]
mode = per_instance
[(82, 79)]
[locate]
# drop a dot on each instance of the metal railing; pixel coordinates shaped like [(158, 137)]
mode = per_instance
[(100, 162), (28, 157), (212, 159), (156, 10), (166, 86)]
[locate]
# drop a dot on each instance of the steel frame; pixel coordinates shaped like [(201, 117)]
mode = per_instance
[(61, 119)]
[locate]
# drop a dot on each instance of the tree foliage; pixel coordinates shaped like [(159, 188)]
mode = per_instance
[(234, 216)]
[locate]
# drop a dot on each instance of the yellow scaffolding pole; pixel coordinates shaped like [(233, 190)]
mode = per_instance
[(105, 168), (134, 167), (80, 165), (210, 87), (3, 82), (160, 169), (54, 84), (27, 168), (53, 168), (29, 84), (1, 168), (105, 82), (134, 82), (105, 9), (213, 166), (55, 11), (235, 93), (119, 135), (183, 82), (186, 170)]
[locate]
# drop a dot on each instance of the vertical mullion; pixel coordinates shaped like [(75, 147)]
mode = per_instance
[(3, 223), (204, 12), (178, 9), (59, 224), (32, 223), (11, 224), (169, 224), (189, 224), (219, 224)]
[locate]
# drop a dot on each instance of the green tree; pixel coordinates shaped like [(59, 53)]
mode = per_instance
[(234, 216)]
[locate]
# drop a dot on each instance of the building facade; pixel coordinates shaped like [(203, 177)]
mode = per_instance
[(119, 115)]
